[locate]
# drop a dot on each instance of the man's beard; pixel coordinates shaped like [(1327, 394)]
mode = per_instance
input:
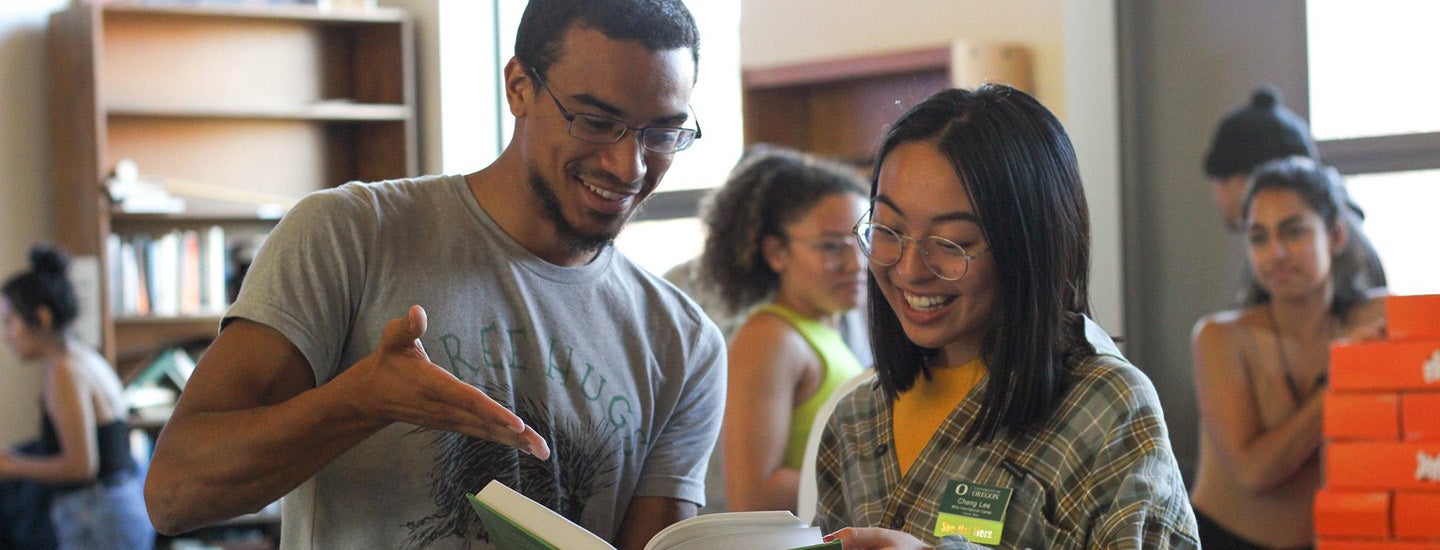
[(572, 237)]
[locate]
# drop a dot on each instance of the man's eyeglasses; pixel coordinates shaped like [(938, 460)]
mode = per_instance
[(884, 247), (605, 130)]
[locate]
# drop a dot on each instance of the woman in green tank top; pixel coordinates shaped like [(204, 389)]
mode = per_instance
[(780, 237)]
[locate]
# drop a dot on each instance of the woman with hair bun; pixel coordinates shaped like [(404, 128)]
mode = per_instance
[(779, 237), (97, 502)]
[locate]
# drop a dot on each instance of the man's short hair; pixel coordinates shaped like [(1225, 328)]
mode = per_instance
[(658, 24)]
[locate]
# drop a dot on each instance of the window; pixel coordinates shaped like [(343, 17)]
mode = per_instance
[(1399, 218), (1373, 109)]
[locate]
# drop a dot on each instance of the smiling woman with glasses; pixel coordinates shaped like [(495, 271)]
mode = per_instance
[(603, 130), (990, 380), (779, 238)]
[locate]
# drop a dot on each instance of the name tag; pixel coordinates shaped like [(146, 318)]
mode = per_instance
[(974, 511)]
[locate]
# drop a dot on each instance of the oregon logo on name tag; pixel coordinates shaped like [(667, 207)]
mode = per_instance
[(974, 511)]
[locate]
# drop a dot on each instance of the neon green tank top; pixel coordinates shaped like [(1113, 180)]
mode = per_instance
[(838, 364)]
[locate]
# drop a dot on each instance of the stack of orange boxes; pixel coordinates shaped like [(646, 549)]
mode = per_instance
[(1382, 431)]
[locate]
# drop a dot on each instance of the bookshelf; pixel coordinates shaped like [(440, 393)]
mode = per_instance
[(840, 108), (240, 110)]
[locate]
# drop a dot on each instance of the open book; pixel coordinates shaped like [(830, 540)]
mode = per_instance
[(516, 522)]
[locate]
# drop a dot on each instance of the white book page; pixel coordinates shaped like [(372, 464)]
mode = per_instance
[(720, 530)]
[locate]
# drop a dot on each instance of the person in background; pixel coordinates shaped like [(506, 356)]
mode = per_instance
[(1260, 370), (1258, 132), (542, 357), (779, 236), (85, 439), (989, 384)]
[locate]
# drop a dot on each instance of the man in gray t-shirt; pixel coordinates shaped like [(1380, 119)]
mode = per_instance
[(398, 344)]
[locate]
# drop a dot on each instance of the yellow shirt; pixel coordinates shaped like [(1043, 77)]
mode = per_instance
[(920, 410)]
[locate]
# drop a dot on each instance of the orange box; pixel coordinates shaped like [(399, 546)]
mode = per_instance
[(1382, 465), (1372, 544), (1383, 365), (1417, 515), (1372, 416), (1408, 317), (1341, 513), (1420, 416)]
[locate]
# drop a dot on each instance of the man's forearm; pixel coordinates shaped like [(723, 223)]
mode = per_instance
[(212, 466)]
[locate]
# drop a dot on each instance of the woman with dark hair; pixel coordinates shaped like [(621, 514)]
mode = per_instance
[(1260, 371), (998, 416), (97, 501), (779, 236)]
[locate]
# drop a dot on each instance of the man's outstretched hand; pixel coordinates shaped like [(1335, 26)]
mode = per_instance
[(402, 385)]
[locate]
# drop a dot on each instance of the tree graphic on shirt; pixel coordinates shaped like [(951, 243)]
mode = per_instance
[(581, 464)]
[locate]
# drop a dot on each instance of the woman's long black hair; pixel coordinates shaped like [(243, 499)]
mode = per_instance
[(1019, 170)]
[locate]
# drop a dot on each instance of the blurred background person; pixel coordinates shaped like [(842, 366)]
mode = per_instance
[(1253, 134), (1260, 370), (779, 246), (97, 501)]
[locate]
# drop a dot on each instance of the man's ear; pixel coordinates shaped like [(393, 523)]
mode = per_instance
[(517, 82), (772, 248)]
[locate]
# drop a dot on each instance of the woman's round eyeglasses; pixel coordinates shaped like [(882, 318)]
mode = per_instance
[(885, 246)]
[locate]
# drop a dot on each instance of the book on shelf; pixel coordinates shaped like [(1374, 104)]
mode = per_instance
[(514, 521), (180, 272), (153, 392), (171, 367)]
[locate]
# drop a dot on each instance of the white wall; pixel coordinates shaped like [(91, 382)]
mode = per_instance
[(26, 208), (1073, 45)]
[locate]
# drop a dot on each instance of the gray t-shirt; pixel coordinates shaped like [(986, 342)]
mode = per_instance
[(620, 373)]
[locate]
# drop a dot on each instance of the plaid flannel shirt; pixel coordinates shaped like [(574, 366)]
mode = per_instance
[(1100, 474)]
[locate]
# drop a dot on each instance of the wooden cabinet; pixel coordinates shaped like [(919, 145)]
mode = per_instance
[(231, 106), (840, 108)]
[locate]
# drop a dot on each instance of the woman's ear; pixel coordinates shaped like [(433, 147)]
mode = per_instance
[(777, 256), (45, 317), (1339, 236)]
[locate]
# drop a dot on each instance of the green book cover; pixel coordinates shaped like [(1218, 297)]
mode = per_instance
[(514, 521), (505, 533)]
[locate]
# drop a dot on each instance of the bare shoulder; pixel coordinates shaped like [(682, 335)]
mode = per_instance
[(766, 340), (1223, 325), (768, 331), (66, 373)]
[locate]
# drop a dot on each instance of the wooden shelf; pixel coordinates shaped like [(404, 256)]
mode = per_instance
[(335, 111), (246, 107), (840, 108), (167, 320), (242, 107), (189, 218), (262, 12)]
